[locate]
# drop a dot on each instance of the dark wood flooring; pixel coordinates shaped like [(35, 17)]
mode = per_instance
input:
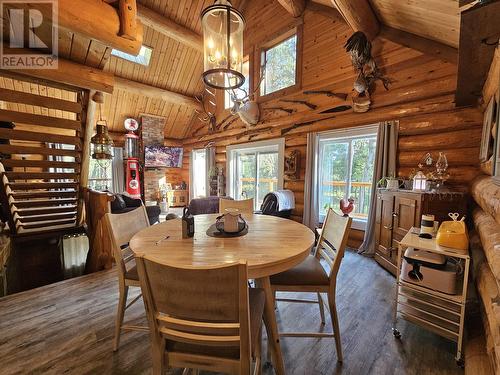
[(67, 328)]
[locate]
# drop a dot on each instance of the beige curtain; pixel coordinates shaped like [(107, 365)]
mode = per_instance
[(310, 217), (210, 167), (385, 165), (117, 171)]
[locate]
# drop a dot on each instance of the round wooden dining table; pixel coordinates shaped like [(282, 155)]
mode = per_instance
[(272, 245)]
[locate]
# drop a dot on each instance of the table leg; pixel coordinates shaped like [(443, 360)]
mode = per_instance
[(271, 326)]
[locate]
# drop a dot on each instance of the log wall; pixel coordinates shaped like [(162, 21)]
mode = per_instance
[(421, 98)]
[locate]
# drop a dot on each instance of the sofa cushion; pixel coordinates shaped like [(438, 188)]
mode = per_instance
[(118, 203), (203, 206)]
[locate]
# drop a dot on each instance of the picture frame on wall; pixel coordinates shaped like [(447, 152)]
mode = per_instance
[(490, 117)]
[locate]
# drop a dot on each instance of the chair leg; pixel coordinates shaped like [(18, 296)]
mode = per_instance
[(119, 315), (258, 354), (269, 352), (321, 309), (335, 324), (158, 354)]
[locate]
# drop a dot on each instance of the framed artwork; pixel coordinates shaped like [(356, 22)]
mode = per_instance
[(490, 116)]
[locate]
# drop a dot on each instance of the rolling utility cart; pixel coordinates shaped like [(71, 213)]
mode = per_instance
[(432, 297)]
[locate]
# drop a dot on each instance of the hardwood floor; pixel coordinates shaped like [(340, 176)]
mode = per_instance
[(67, 328)]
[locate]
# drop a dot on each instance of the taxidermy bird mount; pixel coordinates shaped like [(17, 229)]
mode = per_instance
[(360, 49)]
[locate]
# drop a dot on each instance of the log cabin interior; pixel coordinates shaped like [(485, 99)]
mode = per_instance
[(266, 186)]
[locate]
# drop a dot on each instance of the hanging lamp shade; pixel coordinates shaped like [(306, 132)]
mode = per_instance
[(102, 143), (223, 28)]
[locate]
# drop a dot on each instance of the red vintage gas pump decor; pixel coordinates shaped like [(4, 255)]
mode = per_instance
[(132, 156)]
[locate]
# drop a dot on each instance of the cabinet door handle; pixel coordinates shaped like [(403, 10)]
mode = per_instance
[(387, 227), (395, 214)]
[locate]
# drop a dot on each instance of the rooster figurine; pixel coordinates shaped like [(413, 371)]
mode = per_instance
[(347, 206)]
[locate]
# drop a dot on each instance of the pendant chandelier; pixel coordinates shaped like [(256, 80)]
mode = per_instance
[(101, 141), (223, 28)]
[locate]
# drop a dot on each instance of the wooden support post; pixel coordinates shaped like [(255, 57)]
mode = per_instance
[(128, 19), (359, 15), (97, 20), (479, 33), (88, 119)]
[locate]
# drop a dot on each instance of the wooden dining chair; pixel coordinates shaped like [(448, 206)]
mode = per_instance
[(245, 205), (310, 276), (120, 229), (202, 319)]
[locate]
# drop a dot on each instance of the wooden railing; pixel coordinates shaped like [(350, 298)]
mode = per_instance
[(360, 191)]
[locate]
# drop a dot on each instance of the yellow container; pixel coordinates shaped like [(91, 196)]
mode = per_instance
[(453, 234)]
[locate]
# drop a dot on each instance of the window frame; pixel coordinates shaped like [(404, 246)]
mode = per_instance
[(272, 145), (339, 135), (139, 60), (279, 38), (207, 172)]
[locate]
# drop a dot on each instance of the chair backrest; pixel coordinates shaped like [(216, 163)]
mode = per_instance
[(121, 228), (333, 240), (205, 307), (245, 206)]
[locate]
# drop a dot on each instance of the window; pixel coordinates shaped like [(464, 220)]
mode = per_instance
[(240, 94), (345, 169), (143, 58), (255, 169), (199, 184), (280, 62)]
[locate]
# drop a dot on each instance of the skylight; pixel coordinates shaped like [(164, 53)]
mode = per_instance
[(143, 58)]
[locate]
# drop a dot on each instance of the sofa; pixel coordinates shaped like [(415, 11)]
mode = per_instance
[(123, 203), (203, 206)]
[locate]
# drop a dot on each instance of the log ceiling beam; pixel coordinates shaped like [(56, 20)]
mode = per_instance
[(491, 85), (156, 93), (421, 44), (72, 74), (79, 16), (359, 15), (82, 76), (325, 10), (294, 7), (169, 28)]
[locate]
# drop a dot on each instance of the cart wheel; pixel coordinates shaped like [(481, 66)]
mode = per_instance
[(396, 333), (460, 362)]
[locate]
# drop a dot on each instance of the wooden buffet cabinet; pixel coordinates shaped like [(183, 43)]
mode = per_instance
[(178, 198), (400, 210)]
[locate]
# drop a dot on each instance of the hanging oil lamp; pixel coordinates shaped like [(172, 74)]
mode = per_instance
[(223, 28), (102, 144)]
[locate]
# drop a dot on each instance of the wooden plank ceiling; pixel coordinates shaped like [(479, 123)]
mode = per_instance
[(174, 66), (438, 20)]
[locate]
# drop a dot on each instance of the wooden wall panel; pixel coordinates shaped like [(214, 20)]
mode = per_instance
[(421, 98)]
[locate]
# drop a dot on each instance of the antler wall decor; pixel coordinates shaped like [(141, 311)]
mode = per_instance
[(206, 115), (247, 108)]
